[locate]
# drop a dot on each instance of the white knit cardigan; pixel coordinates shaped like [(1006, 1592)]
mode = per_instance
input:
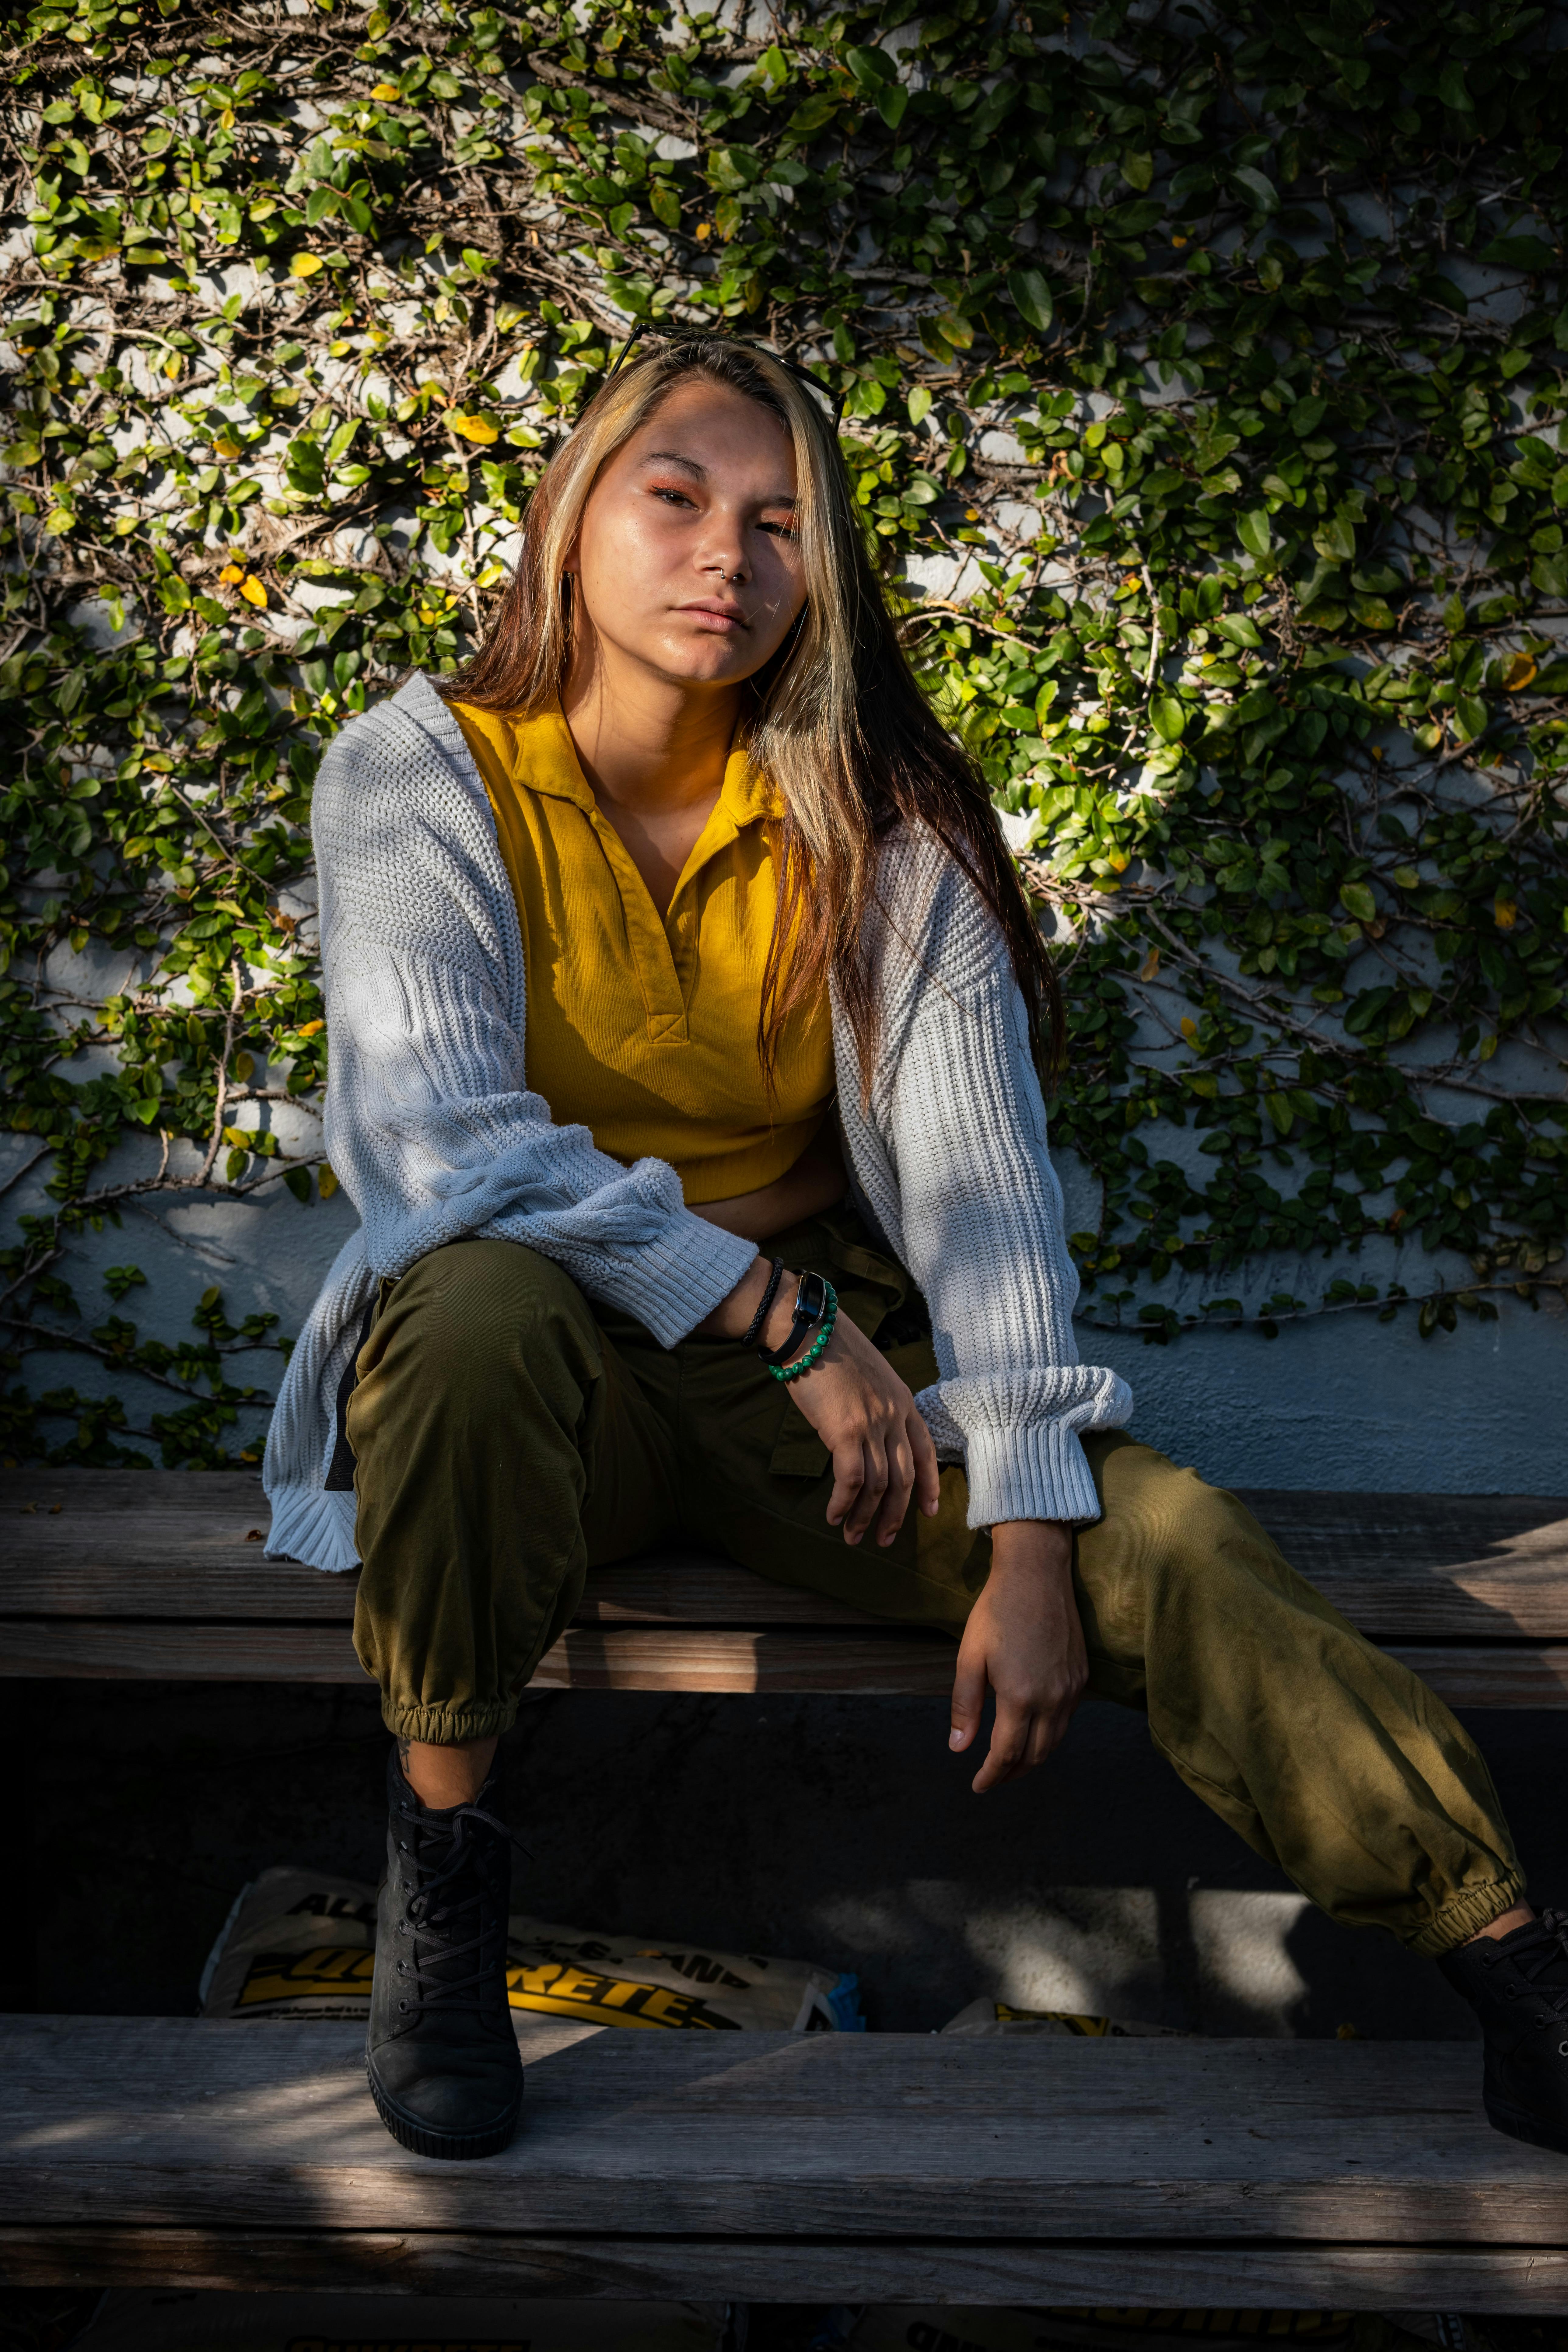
[(432, 1130)]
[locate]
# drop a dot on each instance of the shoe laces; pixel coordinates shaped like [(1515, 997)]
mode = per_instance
[(1539, 1953), (434, 1899)]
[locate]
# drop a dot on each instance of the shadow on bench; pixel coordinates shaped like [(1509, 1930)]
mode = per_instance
[(157, 1573), (779, 2167)]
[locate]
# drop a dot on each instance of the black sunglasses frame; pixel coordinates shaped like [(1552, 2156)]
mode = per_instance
[(679, 335)]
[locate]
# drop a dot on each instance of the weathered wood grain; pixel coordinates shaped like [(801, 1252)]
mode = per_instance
[(866, 1662), (1156, 2275), (163, 1544), (169, 2123)]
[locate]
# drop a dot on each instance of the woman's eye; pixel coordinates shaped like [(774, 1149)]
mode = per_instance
[(673, 497)]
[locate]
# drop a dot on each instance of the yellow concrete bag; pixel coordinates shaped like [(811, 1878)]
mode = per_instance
[(301, 1944)]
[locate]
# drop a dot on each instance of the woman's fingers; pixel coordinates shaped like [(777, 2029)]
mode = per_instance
[(849, 1477), (970, 1682), (928, 1470), (900, 1481), (873, 1486), (1008, 1753)]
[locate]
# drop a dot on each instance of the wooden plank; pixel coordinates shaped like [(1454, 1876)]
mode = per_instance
[(877, 1662), (1505, 1675), (157, 2123), (1158, 2275), (1429, 1564), (165, 1544)]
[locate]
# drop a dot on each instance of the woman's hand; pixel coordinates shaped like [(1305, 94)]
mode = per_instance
[(1024, 1640), (864, 1415), (870, 1423)]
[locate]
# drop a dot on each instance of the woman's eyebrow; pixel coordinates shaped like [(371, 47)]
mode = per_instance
[(674, 458), (690, 466)]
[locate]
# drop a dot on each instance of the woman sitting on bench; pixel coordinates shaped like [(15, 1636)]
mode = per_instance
[(685, 1013)]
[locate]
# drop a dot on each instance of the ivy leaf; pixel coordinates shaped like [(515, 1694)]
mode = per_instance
[(1031, 297), (811, 118), (1453, 89), (1531, 253), (1169, 717), (1254, 532), (1262, 190), (1357, 900)]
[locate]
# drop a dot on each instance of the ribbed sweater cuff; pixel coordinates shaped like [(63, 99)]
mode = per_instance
[(683, 1276), (1037, 1472)]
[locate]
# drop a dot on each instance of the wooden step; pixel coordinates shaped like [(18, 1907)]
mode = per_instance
[(784, 2168), (159, 1574)]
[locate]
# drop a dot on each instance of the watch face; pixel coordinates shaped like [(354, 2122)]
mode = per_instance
[(813, 1297)]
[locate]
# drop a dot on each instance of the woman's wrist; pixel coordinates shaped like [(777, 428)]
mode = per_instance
[(1033, 1546), (732, 1318)]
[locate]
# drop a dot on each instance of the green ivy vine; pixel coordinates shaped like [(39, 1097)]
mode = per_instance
[(1206, 371)]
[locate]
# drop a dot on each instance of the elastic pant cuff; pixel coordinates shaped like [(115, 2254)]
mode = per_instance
[(448, 1726), (1467, 1915)]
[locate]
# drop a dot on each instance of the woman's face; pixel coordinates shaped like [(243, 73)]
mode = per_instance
[(686, 559)]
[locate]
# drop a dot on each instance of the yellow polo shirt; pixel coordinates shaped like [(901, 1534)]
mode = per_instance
[(643, 1029)]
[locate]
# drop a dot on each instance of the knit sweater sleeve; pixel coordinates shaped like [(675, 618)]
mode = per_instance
[(951, 1152), (430, 1124)]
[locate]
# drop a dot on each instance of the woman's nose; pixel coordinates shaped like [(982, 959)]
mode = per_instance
[(726, 553)]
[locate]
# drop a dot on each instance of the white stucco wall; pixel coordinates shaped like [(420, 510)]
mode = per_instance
[(1343, 1402)]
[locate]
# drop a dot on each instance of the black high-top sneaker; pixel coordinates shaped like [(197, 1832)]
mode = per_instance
[(1518, 1986), (441, 2053)]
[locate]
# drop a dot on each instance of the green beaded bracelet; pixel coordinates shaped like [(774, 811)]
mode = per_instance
[(794, 1371)]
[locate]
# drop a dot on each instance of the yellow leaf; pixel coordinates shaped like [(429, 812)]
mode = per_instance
[(474, 428), (312, 1028), (227, 447), (1119, 860), (704, 228), (1189, 1029), (1505, 914), (326, 1181), (305, 265), (172, 365), (386, 91), (254, 594), (227, 118), (1150, 965), (230, 573), (1518, 674)]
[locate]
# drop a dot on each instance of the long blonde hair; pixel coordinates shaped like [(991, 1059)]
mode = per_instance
[(837, 721)]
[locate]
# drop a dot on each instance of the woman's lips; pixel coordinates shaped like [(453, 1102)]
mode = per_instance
[(724, 620)]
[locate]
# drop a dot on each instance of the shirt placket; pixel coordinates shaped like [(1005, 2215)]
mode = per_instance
[(664, 954)]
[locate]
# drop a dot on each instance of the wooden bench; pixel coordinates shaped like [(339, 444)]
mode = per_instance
[(154, 1573), (777, 2167)]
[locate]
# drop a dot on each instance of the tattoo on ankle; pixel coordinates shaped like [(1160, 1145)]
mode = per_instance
[(403, 1747)]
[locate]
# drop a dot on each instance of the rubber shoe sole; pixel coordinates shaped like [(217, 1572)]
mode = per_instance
[(461, 2146), (1515, 2124)]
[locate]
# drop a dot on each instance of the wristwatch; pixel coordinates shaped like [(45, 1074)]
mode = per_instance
[(810, 1307)]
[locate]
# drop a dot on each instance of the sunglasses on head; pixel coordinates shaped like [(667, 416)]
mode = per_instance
[(679, 337)]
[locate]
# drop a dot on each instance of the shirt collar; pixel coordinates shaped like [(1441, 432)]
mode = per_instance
[(548, 762)]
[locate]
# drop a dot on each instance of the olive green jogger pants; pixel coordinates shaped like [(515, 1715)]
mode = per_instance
[(508, 1434)]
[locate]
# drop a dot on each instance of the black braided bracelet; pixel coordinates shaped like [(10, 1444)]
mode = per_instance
[(765, 1310)]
